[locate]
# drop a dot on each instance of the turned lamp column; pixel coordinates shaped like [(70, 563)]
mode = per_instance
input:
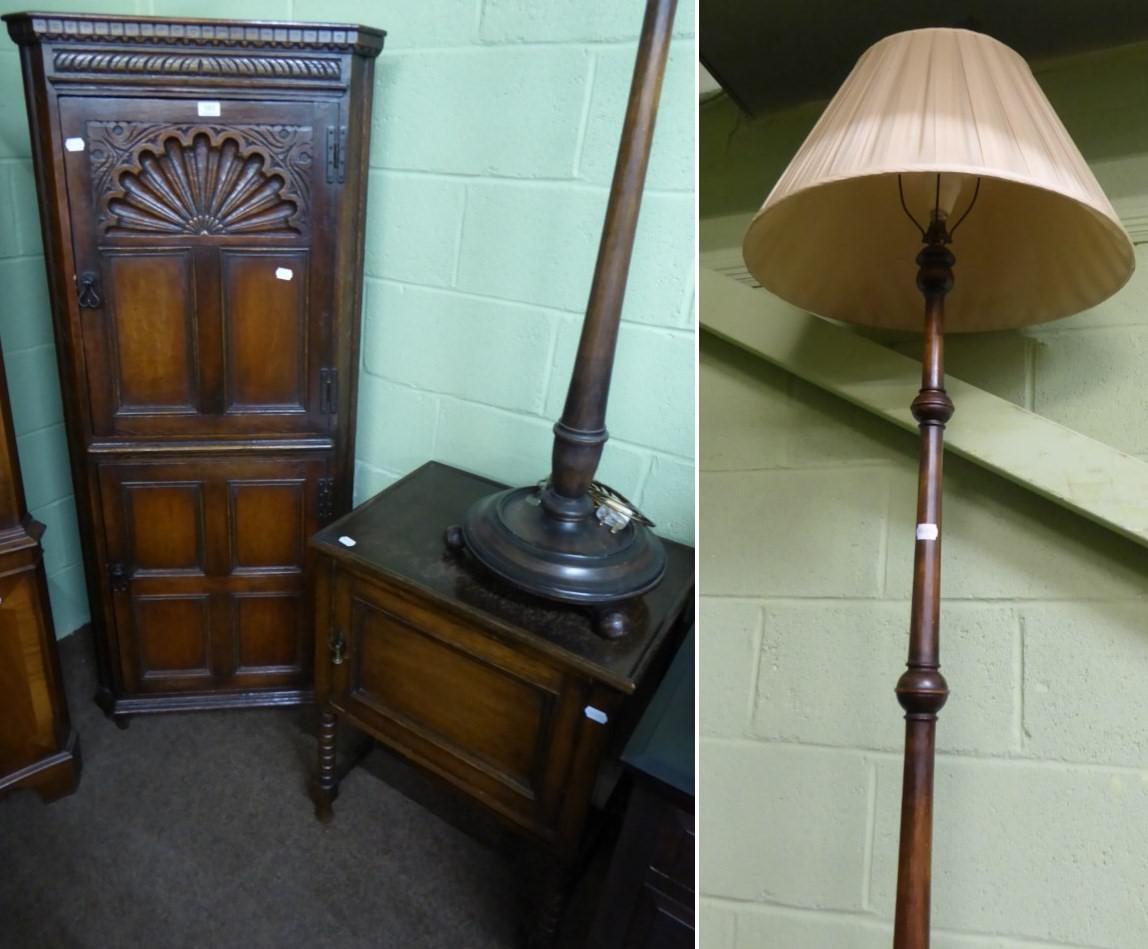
[(580, 434), (922, 690), (562, 541)]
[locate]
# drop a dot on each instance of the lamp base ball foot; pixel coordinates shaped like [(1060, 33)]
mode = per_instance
[(609, 620), (452, 536), (612, 622)]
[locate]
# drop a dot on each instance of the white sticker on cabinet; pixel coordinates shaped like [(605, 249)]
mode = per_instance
[(74, 144), (208, 108)]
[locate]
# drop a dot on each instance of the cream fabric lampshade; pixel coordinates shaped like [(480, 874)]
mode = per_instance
[(1041, 242)]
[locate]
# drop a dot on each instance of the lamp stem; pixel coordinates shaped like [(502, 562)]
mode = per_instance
[(580, 434), (922, 690)]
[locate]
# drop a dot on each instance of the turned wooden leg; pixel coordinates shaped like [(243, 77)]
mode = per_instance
[(326, 787), (555, 893)]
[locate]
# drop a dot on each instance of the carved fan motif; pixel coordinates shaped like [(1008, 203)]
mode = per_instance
[(201, 188)]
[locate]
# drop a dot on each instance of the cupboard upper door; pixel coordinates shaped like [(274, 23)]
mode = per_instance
[(202, 235)]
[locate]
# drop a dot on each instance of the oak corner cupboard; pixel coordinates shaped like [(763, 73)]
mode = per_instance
[(202, 186), (38, 748)]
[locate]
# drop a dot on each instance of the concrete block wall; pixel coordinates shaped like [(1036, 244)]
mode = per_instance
[(807, 511), (496, 123)]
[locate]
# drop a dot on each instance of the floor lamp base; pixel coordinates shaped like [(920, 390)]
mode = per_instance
[(579, 561)]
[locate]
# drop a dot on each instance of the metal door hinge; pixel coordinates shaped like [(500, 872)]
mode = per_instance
[(336, 153), (326, 499), (328, 391), (88, 291), (337, 645), (118, 574)]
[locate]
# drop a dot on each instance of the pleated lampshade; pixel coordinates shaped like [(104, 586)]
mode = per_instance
[(1041, 242)]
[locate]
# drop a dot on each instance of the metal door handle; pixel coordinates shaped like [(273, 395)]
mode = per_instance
[(88, 291)]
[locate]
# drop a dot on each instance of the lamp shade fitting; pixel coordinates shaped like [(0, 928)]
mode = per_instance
[(1043, 241)]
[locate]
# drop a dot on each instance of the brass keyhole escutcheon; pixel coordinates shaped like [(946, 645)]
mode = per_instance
[(338, 646)]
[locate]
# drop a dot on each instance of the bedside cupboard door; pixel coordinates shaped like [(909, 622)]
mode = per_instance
[(492, 720)]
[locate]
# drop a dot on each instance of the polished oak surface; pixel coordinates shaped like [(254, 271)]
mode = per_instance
[(38, 748), (202, 190)]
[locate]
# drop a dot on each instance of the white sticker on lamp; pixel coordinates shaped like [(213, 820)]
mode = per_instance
[(74, 144), (596, 715), (208, 108), (284, 273), (347, 541), (927, 532)]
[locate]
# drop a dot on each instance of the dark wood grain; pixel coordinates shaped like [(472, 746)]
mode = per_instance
[(213, 219)]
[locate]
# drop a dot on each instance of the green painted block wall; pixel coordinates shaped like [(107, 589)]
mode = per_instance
[(807, 513), (495, 128)]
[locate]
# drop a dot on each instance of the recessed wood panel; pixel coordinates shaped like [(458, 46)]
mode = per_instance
[(27, 718), (165, 524), (491, 716), (267, 632), (152, 302), (172, 635), (267, 524), (264, 311)]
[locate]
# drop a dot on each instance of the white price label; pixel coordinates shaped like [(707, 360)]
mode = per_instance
[(927, 532), (347, 541), (208, 108), (284, 273), (74, 144), (596, 715)]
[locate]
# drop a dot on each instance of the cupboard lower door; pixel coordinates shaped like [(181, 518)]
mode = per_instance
[(205, 564), (212, 634)]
